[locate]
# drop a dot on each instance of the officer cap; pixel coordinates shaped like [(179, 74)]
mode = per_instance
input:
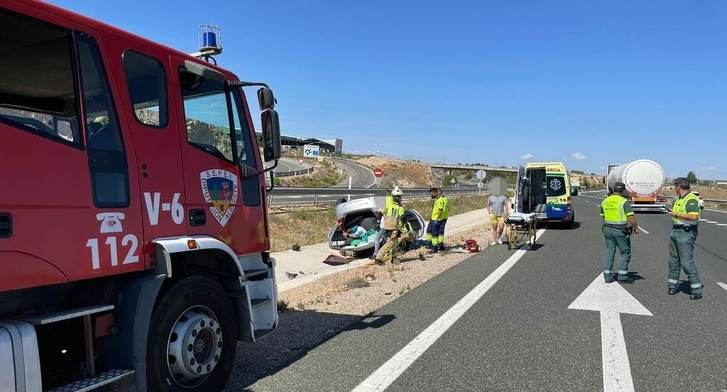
[(681, 182)]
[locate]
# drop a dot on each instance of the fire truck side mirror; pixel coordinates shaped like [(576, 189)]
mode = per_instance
[(265, 98), (271, 134)]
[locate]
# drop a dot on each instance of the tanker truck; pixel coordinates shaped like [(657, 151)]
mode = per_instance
[(644, 179)]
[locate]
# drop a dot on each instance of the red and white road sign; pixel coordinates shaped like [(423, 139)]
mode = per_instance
[(378, 172)]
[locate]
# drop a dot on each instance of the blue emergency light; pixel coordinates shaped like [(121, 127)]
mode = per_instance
[(210, 39)]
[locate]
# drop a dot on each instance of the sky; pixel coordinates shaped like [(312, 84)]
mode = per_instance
[(500, 82)]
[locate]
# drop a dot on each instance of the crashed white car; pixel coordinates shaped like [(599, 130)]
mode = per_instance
[(362, 212)]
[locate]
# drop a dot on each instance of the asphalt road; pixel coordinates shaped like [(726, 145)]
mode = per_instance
[(521, 336), (361, 176), (290, 165)]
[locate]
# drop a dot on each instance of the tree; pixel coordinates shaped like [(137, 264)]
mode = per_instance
[(692, 178)]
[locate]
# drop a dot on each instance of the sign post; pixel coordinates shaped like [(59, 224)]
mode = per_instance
[(481, 175), (378, 173)]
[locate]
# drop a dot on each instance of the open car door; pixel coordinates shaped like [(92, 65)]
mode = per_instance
[(521, 191), (416, 221)]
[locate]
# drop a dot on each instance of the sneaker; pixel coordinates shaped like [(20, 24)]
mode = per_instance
[(499, 242), (493, 243), (673, 291), (695, 296)]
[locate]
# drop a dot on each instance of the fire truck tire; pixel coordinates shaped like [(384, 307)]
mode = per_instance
[(192, 338)]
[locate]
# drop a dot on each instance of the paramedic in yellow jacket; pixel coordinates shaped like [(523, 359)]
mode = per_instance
[(438, 220)]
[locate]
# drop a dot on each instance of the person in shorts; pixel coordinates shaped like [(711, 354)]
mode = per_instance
[(498, 209)]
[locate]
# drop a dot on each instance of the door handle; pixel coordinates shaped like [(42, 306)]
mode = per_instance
[(197, 217), (6, 225)]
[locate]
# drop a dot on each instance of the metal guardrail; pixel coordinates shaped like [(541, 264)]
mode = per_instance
[(281, 196), (294, 173)]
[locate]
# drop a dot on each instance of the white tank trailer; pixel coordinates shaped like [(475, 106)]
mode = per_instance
[(644, 179)]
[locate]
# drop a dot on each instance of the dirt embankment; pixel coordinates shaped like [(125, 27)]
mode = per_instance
[(589, 181), (707, 192), (397, 172)]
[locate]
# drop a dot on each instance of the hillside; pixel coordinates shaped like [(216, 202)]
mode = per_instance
[(397, 172), (589, 181)]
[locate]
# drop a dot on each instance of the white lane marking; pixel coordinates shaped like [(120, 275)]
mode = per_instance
[(722, 224), (394, 367), (615, 358), (708, 221), (713, 210), (641, 228), (610, 299), (722, 285)]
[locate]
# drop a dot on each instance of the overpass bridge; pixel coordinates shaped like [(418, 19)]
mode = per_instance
[(474, 167)]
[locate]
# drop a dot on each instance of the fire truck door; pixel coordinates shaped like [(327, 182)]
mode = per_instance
[(154, 129), (219, 202)]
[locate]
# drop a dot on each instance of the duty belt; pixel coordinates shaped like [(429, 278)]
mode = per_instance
[(615, 225), (685, 227)]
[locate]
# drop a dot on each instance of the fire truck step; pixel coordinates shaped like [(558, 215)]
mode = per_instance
[(259, 301), (249, 274), (261, 333), (68, 314), (89, 384)]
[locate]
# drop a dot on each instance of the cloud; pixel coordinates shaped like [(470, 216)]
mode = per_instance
[(579, 156), (527, 156)]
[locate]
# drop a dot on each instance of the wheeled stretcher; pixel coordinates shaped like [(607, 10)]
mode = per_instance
[(520, 229)]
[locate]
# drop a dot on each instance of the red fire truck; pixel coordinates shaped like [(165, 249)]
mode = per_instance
[(133, 229)]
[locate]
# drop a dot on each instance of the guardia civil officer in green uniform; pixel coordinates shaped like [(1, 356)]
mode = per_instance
[(619, 222), (685, 219)]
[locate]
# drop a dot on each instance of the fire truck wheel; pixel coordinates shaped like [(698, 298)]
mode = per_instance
[(192, 338)]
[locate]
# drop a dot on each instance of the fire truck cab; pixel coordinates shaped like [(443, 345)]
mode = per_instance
[(133, 230)]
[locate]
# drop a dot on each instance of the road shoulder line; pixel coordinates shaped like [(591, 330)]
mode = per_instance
[(385, 375)]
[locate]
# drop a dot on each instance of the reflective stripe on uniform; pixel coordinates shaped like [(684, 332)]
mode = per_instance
[(695, 285), (606, 271), (673, 281), (623, 272)]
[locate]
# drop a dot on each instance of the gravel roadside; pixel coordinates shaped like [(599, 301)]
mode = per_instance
[(316, 312)]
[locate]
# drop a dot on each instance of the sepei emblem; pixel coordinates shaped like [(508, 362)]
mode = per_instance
[(220, 190)]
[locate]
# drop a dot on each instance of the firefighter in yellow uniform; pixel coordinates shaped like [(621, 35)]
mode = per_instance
[(685, 215), (619, 222), (391, 228), (438, 220)]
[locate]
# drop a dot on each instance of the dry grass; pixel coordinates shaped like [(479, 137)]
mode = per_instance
[(457, 204), (311, 226), (302, 227)]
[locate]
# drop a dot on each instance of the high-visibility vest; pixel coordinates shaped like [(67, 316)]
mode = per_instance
[(680, 207), (440, 211), (613, 210), (394, 210)]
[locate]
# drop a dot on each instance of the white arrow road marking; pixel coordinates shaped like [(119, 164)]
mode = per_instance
[(395, 367), (722, 285), (610, 299)]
